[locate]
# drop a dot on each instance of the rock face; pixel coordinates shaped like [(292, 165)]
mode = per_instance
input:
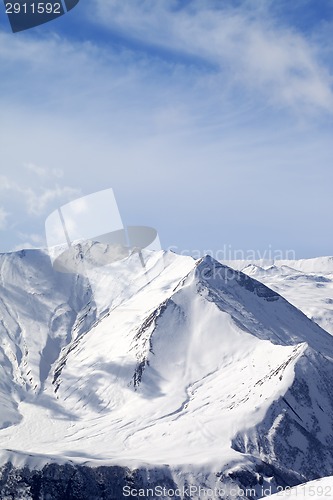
[(69, 482), (295, 434), (157, 371)]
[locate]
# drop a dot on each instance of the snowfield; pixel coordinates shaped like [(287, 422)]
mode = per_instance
[(162, 361), (317, 490), (306, 283)]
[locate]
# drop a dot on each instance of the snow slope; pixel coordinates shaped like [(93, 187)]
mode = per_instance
[(307, 284), (321, 265), (178, 362), (317, 490)]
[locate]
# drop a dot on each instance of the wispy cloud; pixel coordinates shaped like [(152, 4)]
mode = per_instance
[(3, 218), (208, 113), (34, 238), (36, 169), (44, 171), (37, 200), (246, 45), (29, 240)]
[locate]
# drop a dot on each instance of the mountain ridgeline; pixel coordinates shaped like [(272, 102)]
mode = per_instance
[(157, 370)]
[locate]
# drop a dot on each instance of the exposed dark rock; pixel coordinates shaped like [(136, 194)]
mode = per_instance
[(75, 482)]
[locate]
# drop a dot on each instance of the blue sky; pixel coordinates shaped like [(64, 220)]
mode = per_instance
[(211, 120)]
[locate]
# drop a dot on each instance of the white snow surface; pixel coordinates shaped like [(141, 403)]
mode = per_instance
[(165, 363), (317, 490), (306, 283)]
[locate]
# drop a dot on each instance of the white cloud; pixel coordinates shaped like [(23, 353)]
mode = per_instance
[(44, 171), (23, 246), (3, 218), (5, 183), (232, 48), (36, 169), (38, 199), (198, 131), (33, 238), (247, 46)]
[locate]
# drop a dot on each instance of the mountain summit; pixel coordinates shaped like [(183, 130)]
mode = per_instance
[(187, 369)]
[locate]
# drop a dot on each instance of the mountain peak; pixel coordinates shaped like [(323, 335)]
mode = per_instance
[(212, 272), (201, 360)]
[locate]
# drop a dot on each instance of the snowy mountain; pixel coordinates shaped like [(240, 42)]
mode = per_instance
[(317, 490), (307, 284), (157, 369)]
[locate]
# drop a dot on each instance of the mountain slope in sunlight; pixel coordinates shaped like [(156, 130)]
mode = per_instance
[(160, 361)]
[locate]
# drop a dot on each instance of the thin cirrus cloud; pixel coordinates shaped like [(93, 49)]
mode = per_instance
[(246, 46), (35, 200), (3, 218), (206, 114), (44, 171), (29, 240)]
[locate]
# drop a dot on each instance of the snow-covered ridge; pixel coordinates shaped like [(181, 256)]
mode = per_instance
[(307, 284), (322, 265), (216, 369), (317, 490)]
